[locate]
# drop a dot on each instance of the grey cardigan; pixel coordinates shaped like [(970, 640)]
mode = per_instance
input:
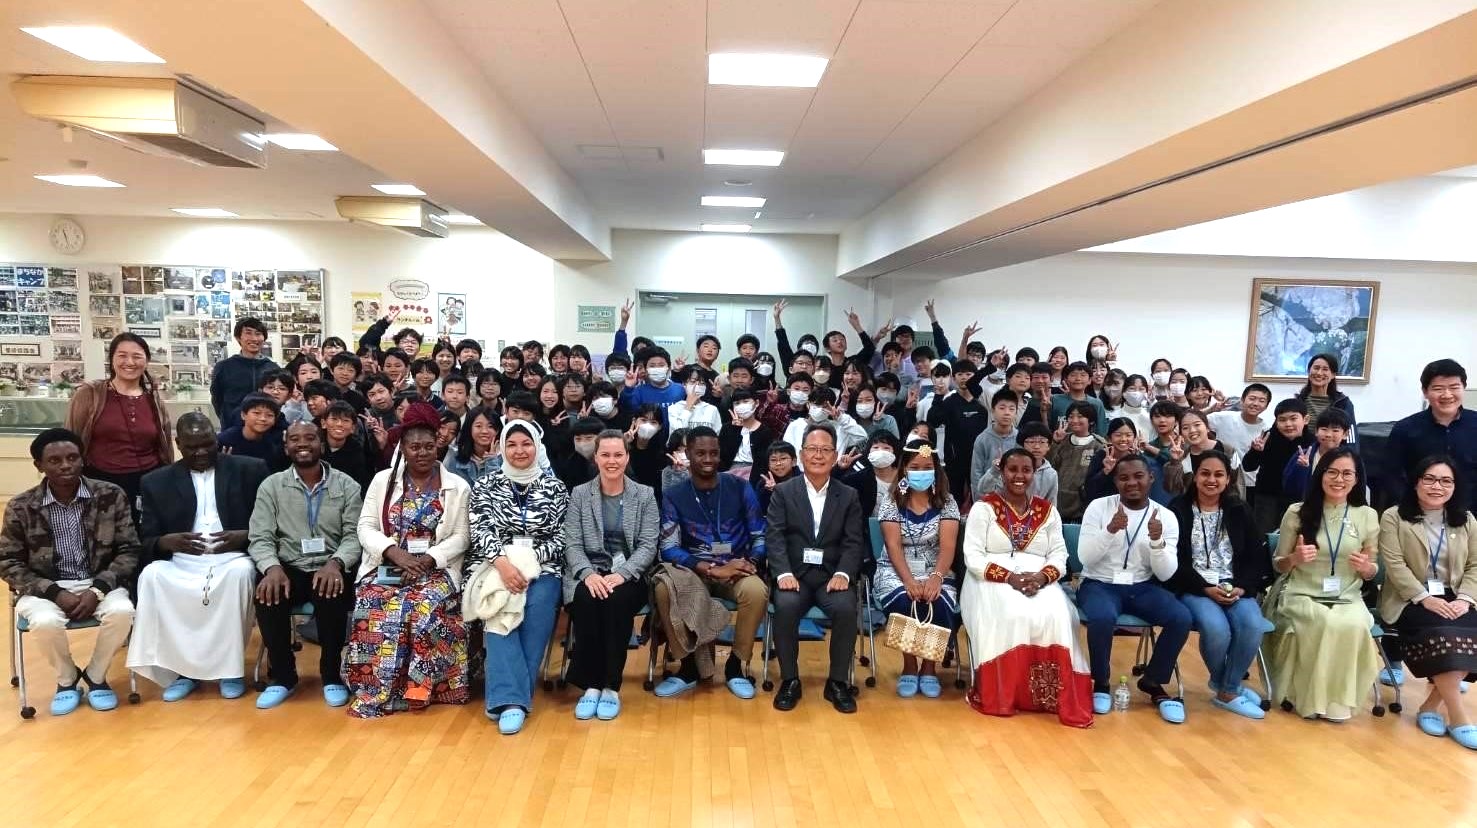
[(584, 532)]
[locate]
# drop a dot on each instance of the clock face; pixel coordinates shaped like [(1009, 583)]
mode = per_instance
[(67, 236)]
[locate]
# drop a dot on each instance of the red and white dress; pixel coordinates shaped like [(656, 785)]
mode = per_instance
[(1026, 655)]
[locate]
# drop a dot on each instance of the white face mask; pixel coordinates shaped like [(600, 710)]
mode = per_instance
[(617, 376), (586, 449), (1176, 389), (1135, 398), (604, 406), (764, 369), (886, 398), (881, 458), (1114, 391), (1160, 378), (798, 397), (646, 431), (658, 375), (745, 410), (818, 414), (1099, 351), (696, 388), (822, 377), (865, 410), (810, 348)]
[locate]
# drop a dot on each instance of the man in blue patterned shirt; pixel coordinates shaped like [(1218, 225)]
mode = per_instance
[(712, 524)]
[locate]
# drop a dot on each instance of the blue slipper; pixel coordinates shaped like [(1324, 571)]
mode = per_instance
[(608, 707), (1250, 695), (1102, 703), (907, 686), (1465, 685), (929, 686), (1392, 676), (233, 688), (336, 695), (1431, 724), (1465, 735), (585, 708), (741, 687), (100, 697), (1173, 711), (1241, 706), (179, 688), (673, 686), (273, 696), (66, 700), (511, 720)]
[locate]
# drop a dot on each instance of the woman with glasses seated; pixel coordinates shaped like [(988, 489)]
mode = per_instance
[(1322, 657), (1429, 548)]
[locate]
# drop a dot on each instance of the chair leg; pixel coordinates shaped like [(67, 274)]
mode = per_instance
[(14, 676), (27, 711), (256, 674), (653, 643), (1379, 696), (543, 666), (1261, 661), (764, 671)]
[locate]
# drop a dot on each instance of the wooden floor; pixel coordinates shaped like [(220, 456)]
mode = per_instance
[(709, 759)]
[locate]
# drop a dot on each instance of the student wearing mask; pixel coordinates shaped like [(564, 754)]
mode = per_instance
[(648, 447), (892, 401), (1321, 391), (1111, 391), (605, 404), (658, 388), (618, 371), (1288, 435), (993, 442), (1179, 384), (869, 413), (743, 437), (764, 379), (1076, 378), (876, 476), (793, 403), (1071, 455), (1135, 405), (1100, 348), (822, 409), (1160, 371), (693, 410), (233, 378)]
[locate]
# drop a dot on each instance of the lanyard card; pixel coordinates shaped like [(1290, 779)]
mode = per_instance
[(524, 541), (1435, 587), (1332, 585), (721, 550), (313, 546), (814, 556), (419, 546), (1123, 577)]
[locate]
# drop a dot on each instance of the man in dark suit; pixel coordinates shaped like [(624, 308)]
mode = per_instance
[(815, 542)]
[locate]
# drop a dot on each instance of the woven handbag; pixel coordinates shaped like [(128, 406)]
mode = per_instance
[(918, 638)]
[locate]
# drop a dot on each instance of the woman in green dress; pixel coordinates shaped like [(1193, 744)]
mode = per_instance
[(1322, 657)]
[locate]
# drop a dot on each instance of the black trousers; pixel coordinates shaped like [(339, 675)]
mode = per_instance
[(602, 632), (789, 610), (130, 484), (331, 615)]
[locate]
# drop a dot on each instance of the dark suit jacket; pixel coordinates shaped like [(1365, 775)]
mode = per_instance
[(169, 500), (792, 528)]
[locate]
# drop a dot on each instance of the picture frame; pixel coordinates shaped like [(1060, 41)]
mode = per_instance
[(20, 349), (1293, 320)]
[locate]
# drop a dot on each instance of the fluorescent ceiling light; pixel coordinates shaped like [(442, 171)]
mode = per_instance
[(94, 43), (743, 158), (79, 180), (301, 141), (726, 228), (733, 201), (740, 69), (458, 218), (204, 212), (399, 189)]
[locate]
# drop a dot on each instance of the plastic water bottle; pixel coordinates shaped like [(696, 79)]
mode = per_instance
[(1120, 695)]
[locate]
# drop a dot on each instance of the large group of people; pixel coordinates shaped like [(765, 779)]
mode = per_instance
[(437, 513)]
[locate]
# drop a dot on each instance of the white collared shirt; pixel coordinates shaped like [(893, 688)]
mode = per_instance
[(817, 503), (207, 516)]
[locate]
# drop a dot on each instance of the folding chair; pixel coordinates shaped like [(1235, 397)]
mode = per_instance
[(566, 643), (297, 611), (18, 658), (873, 619)]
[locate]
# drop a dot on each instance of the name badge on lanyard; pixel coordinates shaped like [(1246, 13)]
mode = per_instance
[(721, 550), (1332, 585), (1435, 587), (418, 546), (314, 546), (1433, 583), (813, 556), (523, 540), (1123, 577)]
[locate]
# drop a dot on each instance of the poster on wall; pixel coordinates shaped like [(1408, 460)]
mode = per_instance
[(66, 324), (366, 311), (102, 280), (61, 277), (452, 308), (104, 328), (143, 310)]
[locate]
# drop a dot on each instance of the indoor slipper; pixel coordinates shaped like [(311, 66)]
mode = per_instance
[(584, 709), (1173, 711), (1251, 695), (1465, 735), (907, 686), (273, 696), (929, 686), (336, 695), (66, 700), (179, 688), (1102, 703), (510, 721), (1392, 676), (1431, 724), (1241, 706), (608, 708), (673, 686), (741, 687), (233, 688)]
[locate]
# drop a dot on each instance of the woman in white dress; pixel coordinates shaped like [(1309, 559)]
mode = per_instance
[(1022, 626)]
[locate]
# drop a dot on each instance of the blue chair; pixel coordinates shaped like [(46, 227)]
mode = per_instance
[(304, 609), (874, 619), (18, 659)]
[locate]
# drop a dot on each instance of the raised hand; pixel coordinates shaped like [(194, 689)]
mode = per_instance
[(626, 309), (779, 308), (1113, 352), (560, 418), (1305, 456), (848, 458), (912, 396), (883, 331), (928, 307), (1363, 563), (854, 319), (1061, 432), (1156, 528), (1261, 441), (769, 483), (1119, 522), (1176, 448), (1110, 460), (969, 331), (681, 361)]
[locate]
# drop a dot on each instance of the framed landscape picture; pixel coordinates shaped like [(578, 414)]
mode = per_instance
[(1294, 320)]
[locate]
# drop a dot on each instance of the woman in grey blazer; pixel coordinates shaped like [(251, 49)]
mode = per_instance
[(610, 537)]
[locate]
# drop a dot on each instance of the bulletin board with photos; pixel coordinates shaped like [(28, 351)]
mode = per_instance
[(56, 320)]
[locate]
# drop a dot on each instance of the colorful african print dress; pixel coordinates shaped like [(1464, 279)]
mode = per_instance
[(1025, 650), (407, 644)]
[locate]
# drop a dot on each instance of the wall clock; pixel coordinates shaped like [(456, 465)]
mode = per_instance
[(67, 236)]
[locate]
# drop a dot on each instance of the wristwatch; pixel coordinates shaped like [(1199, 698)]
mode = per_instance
[(99, 593)]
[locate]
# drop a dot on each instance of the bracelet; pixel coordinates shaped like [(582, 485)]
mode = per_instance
[(935, 575)]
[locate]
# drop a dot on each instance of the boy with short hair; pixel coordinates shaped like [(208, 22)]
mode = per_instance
[(343, 447), (237, 376), (997, 439), (1273, 449), (1035, 439), (1075, 380), (258, 435), (1038, 401), (424, 372), (345, 368), (1329, 432), (319, 395), (1072, 456), (1239, 429), (455, 391), (657, 388)]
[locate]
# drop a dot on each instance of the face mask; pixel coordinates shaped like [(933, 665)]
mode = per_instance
[(646, 431), (604, 406), (997, 378), (764, 369), (822, 377), (1114, 391), (886, 398), (1134, 398), (1099, 351), (1176, 389), (865, 410), (745, 410), (617, 376), (586, 450), (696, 389), (657, 375), (1161, 378), (919, 480), (818, 414), (881, 458), (798, 397), (809, 347)]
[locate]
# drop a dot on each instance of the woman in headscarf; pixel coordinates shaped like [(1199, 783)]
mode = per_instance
[(407, 644)]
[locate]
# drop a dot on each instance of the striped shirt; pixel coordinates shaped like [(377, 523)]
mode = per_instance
[(66, 531)]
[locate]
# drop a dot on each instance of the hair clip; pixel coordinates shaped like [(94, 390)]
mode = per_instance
[(924, 450)]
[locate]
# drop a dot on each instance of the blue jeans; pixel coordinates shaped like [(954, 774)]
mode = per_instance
[(1101, 603), (1229, 638), (513, 660)]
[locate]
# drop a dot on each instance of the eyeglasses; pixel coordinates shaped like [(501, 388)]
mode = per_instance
[(818, 451), (1340, 474), (1440, 482)]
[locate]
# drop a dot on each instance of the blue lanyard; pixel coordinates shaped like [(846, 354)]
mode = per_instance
[(1128, 547), (1333, 548), (314, 500), (1436, 556), (716, 518)]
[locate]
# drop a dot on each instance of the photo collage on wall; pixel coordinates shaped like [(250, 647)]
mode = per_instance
[(186, 314)]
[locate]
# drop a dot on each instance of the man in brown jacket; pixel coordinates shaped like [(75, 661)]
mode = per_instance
[(67, 548)]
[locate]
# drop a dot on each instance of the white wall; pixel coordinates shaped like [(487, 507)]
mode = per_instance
[(1194, 311)]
